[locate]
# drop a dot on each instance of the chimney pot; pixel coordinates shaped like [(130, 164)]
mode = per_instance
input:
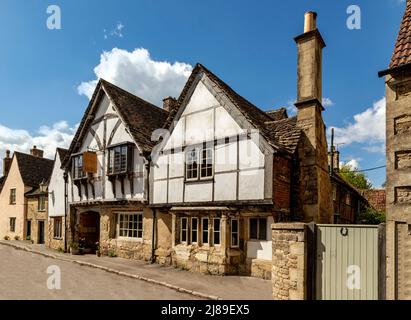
[(310, 23), (37, 152), (169, 104), (6, 163)]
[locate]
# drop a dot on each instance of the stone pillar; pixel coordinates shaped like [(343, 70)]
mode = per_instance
[(289, 270)]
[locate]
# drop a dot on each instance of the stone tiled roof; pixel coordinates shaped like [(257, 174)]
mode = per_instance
[(140, 117), (62, 153), (402, 50), (284, 140), (278, 114), (284, 132), (33, 170)]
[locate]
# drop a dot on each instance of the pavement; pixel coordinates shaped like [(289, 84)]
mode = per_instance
[(190, 284)]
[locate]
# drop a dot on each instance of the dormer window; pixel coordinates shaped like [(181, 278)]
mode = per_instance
[(119, 159), (77, 169)]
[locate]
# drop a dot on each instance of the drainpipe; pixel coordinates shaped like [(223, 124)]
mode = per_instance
[(65, 175), (153, 233)]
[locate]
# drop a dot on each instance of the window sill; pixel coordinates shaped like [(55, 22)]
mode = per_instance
[(129, 239), (199, 181)]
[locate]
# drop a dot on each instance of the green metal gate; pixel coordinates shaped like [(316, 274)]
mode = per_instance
[(347, 262)]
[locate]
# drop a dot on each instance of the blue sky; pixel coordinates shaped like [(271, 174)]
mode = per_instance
[(249, 44)]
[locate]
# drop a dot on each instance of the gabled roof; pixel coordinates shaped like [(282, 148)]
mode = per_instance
[(279, 114), (33, 170), (140, 117), (283, 140), (1, 182), (402, 50), (62, 153)]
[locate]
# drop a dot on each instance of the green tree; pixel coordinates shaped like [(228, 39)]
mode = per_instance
[(371, 216), (357, 179)]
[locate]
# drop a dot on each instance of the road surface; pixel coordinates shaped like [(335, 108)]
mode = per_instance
[(23, 276)]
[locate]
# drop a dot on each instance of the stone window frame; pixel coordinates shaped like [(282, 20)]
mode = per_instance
[(237, 233), (12, 224), (58, 228), (12, 198), (138, 230)]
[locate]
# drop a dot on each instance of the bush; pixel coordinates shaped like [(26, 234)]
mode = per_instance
[(60, 249), (7, 238), (112, 254), (372, 217), (17, 238)]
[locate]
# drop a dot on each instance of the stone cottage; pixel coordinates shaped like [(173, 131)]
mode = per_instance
[(23, 208), (227, 169), (398, 187)]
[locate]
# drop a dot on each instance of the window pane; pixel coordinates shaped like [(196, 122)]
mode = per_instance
[(205, 230), (216, 225), (254, 229), (263, 229), (234, 233)]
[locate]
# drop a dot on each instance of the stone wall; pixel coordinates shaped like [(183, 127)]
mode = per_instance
[(289, 261), (55, 243)]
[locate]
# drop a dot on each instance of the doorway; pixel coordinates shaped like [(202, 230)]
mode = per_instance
[(40, 232), (89, 230), (28, 230)]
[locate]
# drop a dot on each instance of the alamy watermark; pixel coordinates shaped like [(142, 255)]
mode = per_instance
[(54, 19), (354, 17), (54, 278)]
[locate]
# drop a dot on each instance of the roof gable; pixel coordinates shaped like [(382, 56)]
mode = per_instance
[(33, 170), (402, 50), (140, 117), (254, 116)]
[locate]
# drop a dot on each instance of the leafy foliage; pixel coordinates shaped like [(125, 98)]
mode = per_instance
[(357, 179), (372, 216)]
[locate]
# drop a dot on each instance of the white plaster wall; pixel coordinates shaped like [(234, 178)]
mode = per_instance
[(103, 187), (261, 250), (56, 207), (205, 120)]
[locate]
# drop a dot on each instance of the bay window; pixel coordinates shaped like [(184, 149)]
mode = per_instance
[(119, 159), (77, 169), (235, 234)]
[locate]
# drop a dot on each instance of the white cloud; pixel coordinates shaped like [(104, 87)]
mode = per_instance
[(292, 110), (354, 164), (367, 128), (138, 73), (327, 102), (116, 32), (46, 138)]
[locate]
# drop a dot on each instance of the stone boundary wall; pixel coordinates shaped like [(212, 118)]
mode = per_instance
[(289, 269)]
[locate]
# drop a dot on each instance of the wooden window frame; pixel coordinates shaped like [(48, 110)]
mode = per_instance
[(196, 230), (208, 231), (237, 233), (123, 225), (258, 229), (58, 228), (214, 232), (187, 229), (13, 196), (12, 222), (115, 167), (199, 163), (41, 205), (76, 170)]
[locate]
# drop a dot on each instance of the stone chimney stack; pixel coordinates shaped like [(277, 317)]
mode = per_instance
[(37, 152), (336, 161), (6, 163), (169, 104), (314, 175)]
